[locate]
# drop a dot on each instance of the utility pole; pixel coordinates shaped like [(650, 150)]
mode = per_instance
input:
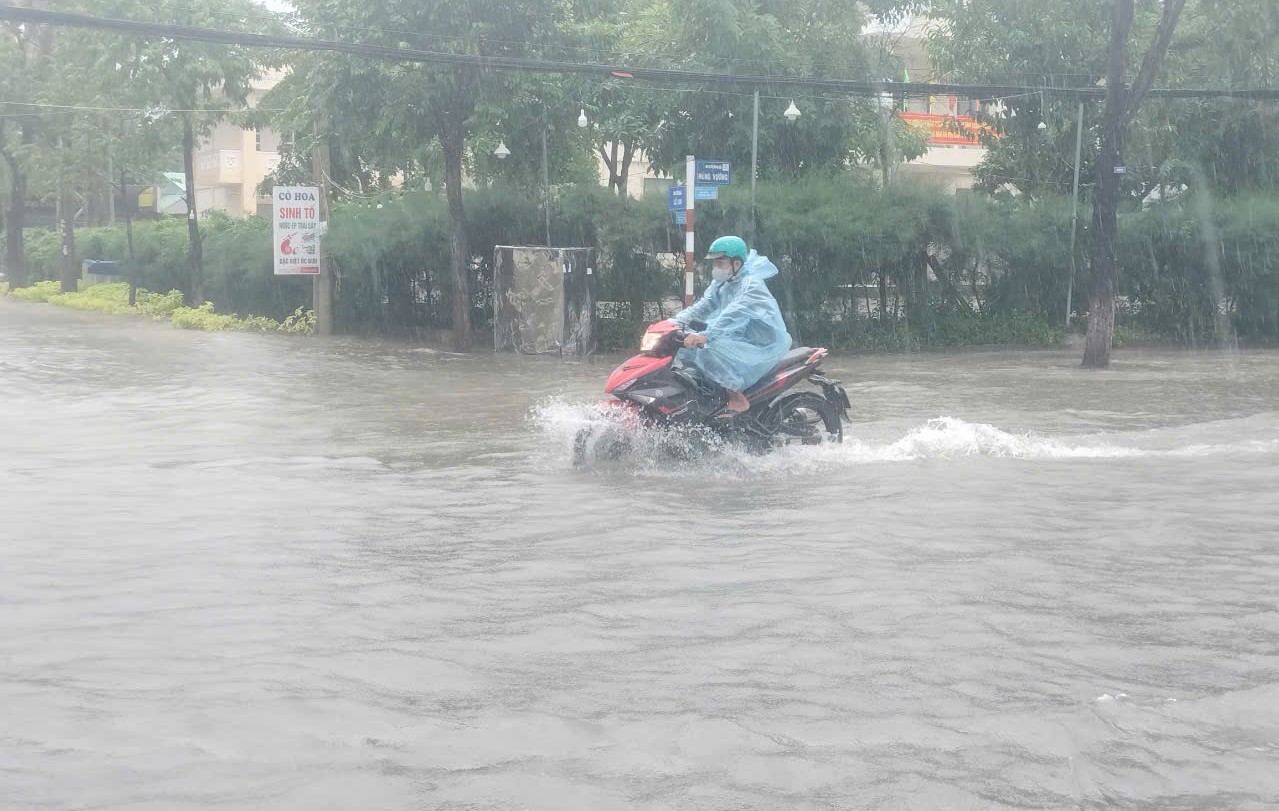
[(1074, 212), (195, 249), (110, 194), (322, 284)]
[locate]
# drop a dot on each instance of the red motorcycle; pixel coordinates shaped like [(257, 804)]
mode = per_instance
[(653, 390)]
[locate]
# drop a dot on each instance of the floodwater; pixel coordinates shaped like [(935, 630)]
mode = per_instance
[(262, 572)]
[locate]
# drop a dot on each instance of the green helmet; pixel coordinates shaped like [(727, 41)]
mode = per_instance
[(731, 247)]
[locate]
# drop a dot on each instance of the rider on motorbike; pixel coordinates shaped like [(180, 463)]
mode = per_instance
[(745, 335)]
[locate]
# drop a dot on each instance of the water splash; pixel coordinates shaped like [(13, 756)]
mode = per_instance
[(948, 438), (563, 424), (604, 436)]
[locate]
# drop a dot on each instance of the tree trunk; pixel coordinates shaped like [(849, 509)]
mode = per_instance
[(453, 141), (195, 251), (15, 261), (976, 294), (70, 275), (610, 163), (635, 266), (885, 156), (624, 172), (1103, 270), (956, 295), (94, 210), (883, 298)]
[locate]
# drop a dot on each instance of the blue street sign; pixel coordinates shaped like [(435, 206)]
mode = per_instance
[(714, 173), (707, 193), (675, 198), (681, 217)]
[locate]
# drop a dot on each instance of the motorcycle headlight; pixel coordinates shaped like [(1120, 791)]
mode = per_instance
[(650, 341)]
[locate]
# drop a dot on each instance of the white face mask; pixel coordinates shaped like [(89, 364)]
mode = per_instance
[(721, 274)]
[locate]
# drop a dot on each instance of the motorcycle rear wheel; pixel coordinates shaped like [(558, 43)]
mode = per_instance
[(807, 418)]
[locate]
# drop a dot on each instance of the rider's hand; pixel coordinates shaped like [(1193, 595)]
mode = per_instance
[(694, 341)]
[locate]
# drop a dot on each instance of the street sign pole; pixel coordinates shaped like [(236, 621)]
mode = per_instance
[(690, 186)]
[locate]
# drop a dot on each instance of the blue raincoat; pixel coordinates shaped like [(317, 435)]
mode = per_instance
[(745, 333)]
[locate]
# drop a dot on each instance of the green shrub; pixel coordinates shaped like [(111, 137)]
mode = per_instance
[(861, 267), (40, 291), (237, 261), (159, 305), (204, 318), (114, 299)]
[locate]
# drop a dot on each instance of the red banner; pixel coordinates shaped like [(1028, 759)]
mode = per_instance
[(962, 130)]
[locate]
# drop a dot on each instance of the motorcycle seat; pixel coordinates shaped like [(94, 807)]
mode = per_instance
[(791, 359), (795, 357)]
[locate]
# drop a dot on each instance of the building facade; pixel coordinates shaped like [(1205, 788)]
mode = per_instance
[(233, 161), (954, 148)]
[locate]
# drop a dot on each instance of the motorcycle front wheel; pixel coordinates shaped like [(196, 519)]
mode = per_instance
[(597, 444)]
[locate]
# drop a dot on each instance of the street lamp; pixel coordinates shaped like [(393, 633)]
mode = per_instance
[(886, 105), (502, 152), (581, 120), (792, 112)]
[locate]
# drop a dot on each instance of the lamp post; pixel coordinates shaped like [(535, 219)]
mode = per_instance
[(791, 115), (502, 153), (885, 100), (754, 160), (546, 188)]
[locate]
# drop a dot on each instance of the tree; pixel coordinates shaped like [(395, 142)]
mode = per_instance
[(734, 37), (742, 36), (44, 141), (391, 116), (1121, 103), (1230, 146), (625, 118), (1217, 146), (21, 49), (190, 86)]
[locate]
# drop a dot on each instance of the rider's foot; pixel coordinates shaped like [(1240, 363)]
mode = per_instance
[(737, 403)]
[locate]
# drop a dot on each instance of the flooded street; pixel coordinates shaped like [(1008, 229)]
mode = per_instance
[(259, 572)]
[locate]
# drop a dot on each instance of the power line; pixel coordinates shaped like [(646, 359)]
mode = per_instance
[(1040, 77), (155, 111), (852, 87)]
